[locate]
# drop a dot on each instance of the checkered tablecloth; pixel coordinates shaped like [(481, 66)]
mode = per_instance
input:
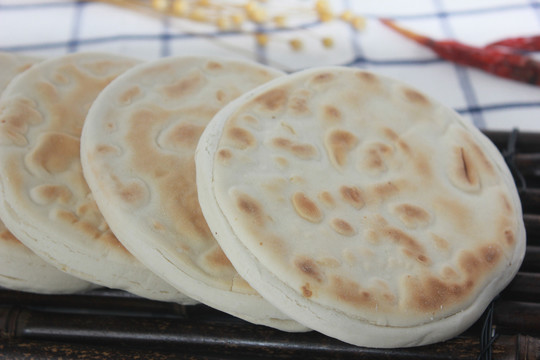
[(50, 28)]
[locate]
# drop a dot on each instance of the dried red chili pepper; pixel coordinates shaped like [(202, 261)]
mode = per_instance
[(523, 43), (494, 60)]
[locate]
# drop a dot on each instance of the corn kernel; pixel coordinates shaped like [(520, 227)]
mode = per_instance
[(258, 15), (326, 16), (238, 19), (250, 6), (327, 42), (261, 38), (322, 5), (160, 5), (358, 22), (347, 15), (223, 23), (280, 20), (180, 8), (198, 14), (296, 44)]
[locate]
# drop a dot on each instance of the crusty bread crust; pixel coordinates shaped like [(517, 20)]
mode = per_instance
[(46, 202), (361, 207), (138, 149)]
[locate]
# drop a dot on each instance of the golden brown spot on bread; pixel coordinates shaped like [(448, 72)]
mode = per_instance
[(251, 207), (126, 97), (478, 156), (185, 86), (415, 97), (8, 237), (55, 152), (384, 191), (322, 78), (104, 149), (66, 216), (328, 261), (220, 95), (455, 212), (273, 100), (309, 267), (342, 227), (478, 262), (366, 76), (302, 151), (352, 196), (509, 237), (108, 238), (103, 67), (298, 103), (217, 258), (46, 194), (374, 155), (412, 216), (331, 114), (214, 65), (431, 293), (327, 199), (440, 242), (47, 91), (449, 273), (241, 138), (306, 290), (506, 204), (281, 161), (351, 292), (306, 208), (338, 144), (465, 171), (183, 135), (60, 78), (131, 193), (411, 247), (224, 155)]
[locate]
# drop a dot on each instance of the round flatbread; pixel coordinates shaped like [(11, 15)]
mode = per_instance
[(20, 268), (137, 151), (360, 207), (46, 202)]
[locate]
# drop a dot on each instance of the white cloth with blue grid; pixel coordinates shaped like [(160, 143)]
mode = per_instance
[(49, 28)]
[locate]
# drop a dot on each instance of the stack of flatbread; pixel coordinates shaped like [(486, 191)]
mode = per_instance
[(331, 199), (20, 268)]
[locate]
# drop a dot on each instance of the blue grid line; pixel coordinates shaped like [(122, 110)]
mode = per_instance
[(261, 55), (165, 38), (73, 43), (462, 73), (498, 107)]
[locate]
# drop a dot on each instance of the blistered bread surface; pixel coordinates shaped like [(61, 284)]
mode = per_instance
[(46, 199), (365, 196), (140, 153), (40, 125)]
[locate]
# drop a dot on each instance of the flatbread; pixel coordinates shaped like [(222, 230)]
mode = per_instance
[(137, 152), (46, 202), (20, 268), (361, 207)]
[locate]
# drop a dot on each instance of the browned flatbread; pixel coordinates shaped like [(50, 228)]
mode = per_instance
[(361, 207), (137, 152), (46, 202)]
